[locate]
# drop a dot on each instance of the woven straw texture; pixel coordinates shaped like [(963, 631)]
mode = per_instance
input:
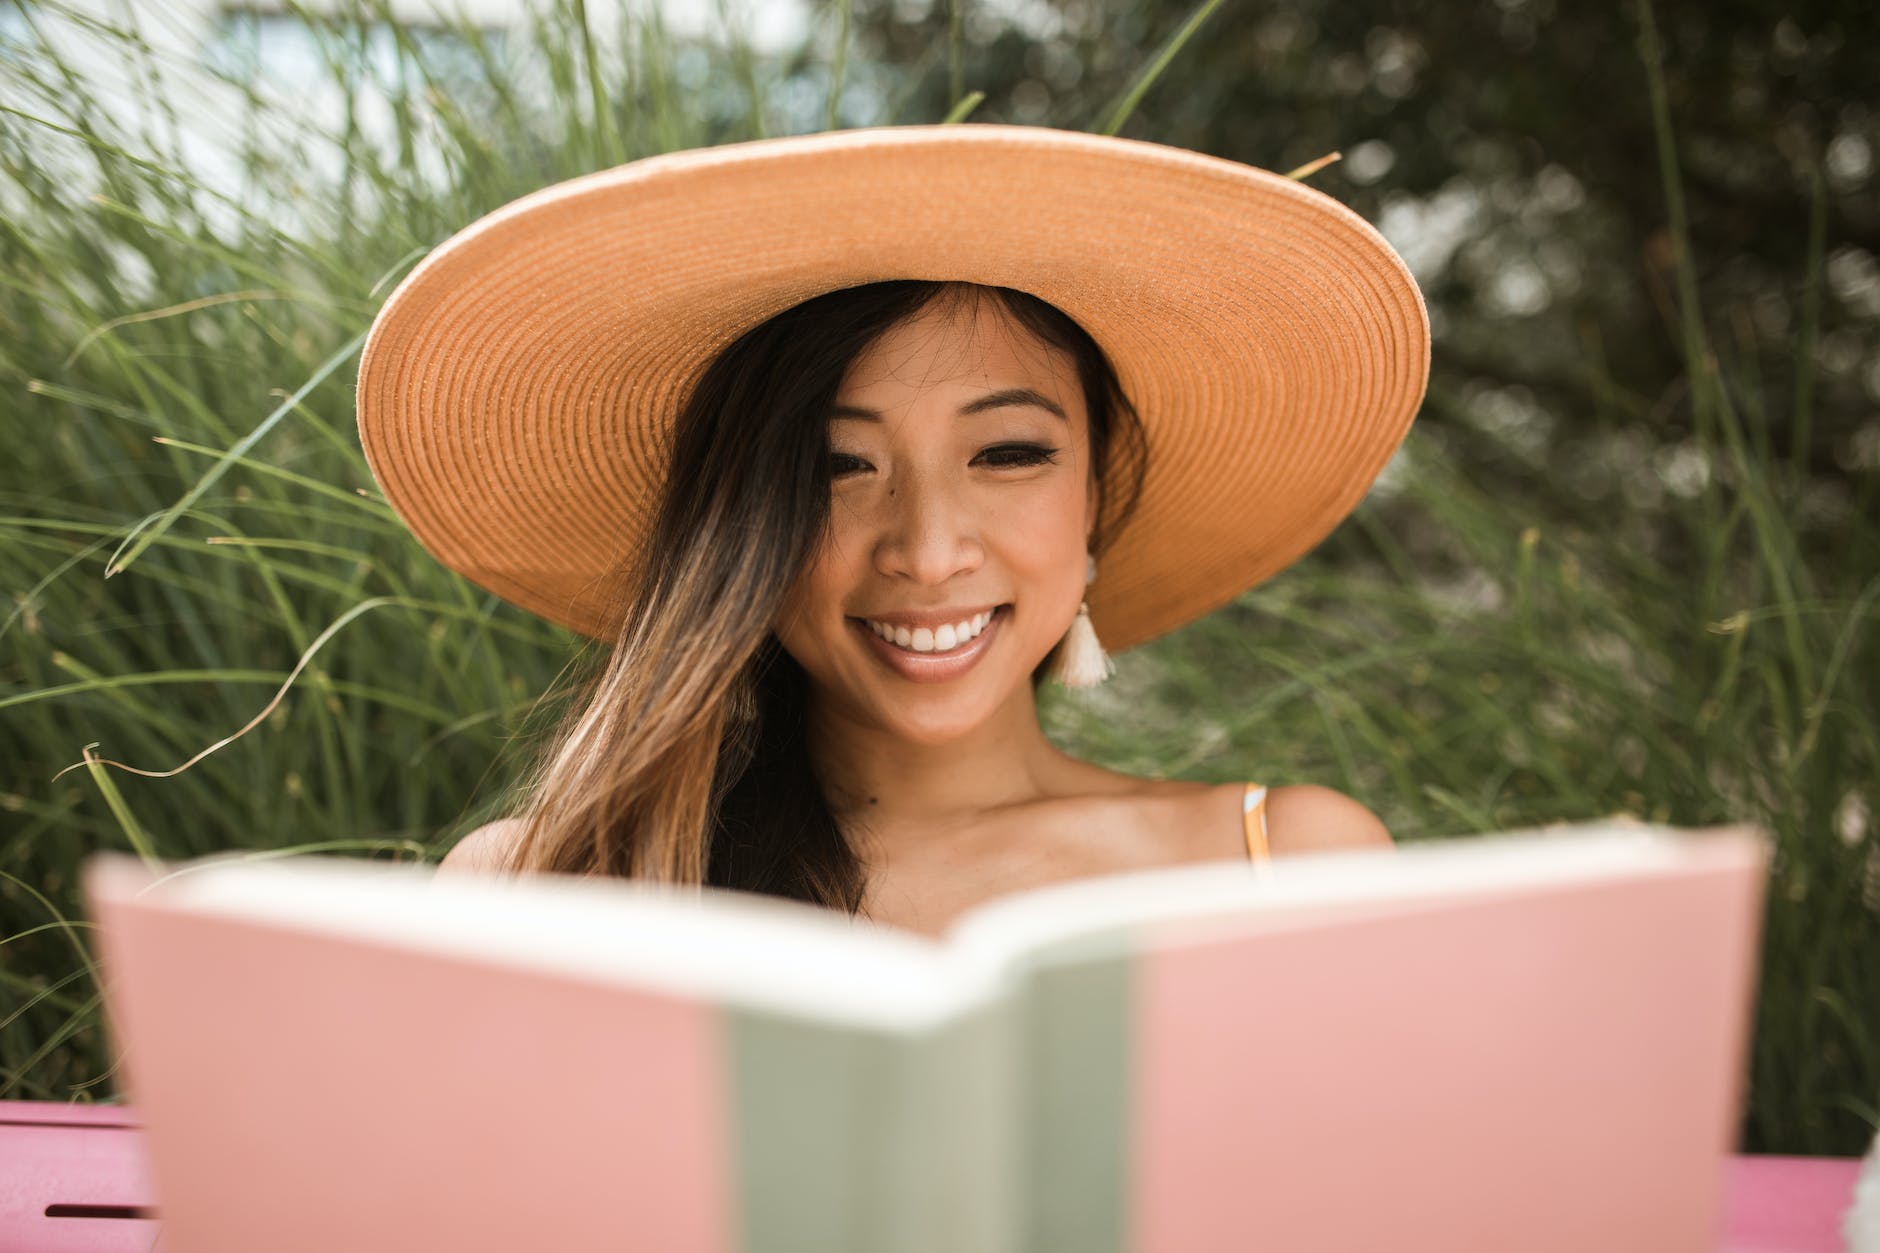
[(515, 390)]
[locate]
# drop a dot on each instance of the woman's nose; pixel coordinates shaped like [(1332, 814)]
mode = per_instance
[(927, 532)]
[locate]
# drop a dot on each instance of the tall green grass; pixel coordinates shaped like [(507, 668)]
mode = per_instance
[(1467, 654)]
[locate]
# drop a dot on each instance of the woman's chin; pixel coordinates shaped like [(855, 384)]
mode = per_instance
[(935, 718)]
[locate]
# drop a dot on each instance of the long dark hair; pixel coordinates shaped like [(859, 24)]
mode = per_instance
[(683, 759)]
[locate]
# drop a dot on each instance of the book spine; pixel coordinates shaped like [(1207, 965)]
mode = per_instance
[(852, 1141), (1073, 1049)]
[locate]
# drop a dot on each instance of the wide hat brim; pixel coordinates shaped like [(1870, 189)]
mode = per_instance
[(516, 388)]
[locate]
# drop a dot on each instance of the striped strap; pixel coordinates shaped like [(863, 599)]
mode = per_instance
[(1253, 821)]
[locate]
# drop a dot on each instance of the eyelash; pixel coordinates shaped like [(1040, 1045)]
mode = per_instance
[(1028, 455)]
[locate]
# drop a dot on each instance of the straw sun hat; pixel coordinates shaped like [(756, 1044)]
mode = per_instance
[(516, 387)]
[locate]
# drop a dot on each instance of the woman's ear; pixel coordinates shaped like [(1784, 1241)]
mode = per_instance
[(1093, 499)]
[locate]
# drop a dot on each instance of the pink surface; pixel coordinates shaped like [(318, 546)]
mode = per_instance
[(85, 1158), (1484, 1070), (68, 1114), (503, 1113), (1788, 1204)]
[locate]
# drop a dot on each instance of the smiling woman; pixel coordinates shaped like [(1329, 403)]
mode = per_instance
[(963, 512), (837, 552)]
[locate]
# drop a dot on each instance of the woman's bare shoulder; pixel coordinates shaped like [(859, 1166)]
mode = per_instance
[(1305, 817), (486, 848), (1300, 817)]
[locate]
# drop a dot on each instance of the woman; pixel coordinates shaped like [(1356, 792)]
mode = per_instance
[(866, 527)]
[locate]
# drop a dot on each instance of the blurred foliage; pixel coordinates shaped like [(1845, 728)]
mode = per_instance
[(1625, 563)]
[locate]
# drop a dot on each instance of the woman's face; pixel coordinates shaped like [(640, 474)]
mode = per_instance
[(962, 494)]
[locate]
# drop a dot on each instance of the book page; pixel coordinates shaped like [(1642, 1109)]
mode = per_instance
[(785, 956), (1320, 888)]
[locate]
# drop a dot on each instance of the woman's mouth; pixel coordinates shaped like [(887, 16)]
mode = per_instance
[(941, 639), (933, 654)]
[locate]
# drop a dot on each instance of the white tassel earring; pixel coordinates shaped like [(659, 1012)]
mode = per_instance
[(1080, 660)]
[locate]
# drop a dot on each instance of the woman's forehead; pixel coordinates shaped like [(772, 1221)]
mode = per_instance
[(980, 358)]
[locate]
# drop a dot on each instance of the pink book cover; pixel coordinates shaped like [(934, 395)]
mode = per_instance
[(1553, 1072), (1531, 1041), (415, 1110)]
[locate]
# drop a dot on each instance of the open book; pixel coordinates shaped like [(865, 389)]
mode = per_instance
[(1533, 1040)]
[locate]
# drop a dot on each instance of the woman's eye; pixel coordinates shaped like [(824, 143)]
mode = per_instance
[(1008, 455), (999, 457)]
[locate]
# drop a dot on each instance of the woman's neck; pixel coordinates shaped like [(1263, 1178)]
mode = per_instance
[(894, 785)]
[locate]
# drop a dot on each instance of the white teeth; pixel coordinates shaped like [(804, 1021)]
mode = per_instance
[(932, 640)]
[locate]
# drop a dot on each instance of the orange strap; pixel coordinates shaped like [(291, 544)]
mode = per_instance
[(1253, 821)]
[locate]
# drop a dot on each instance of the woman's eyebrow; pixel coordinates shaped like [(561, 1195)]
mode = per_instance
[(1005, 398)]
